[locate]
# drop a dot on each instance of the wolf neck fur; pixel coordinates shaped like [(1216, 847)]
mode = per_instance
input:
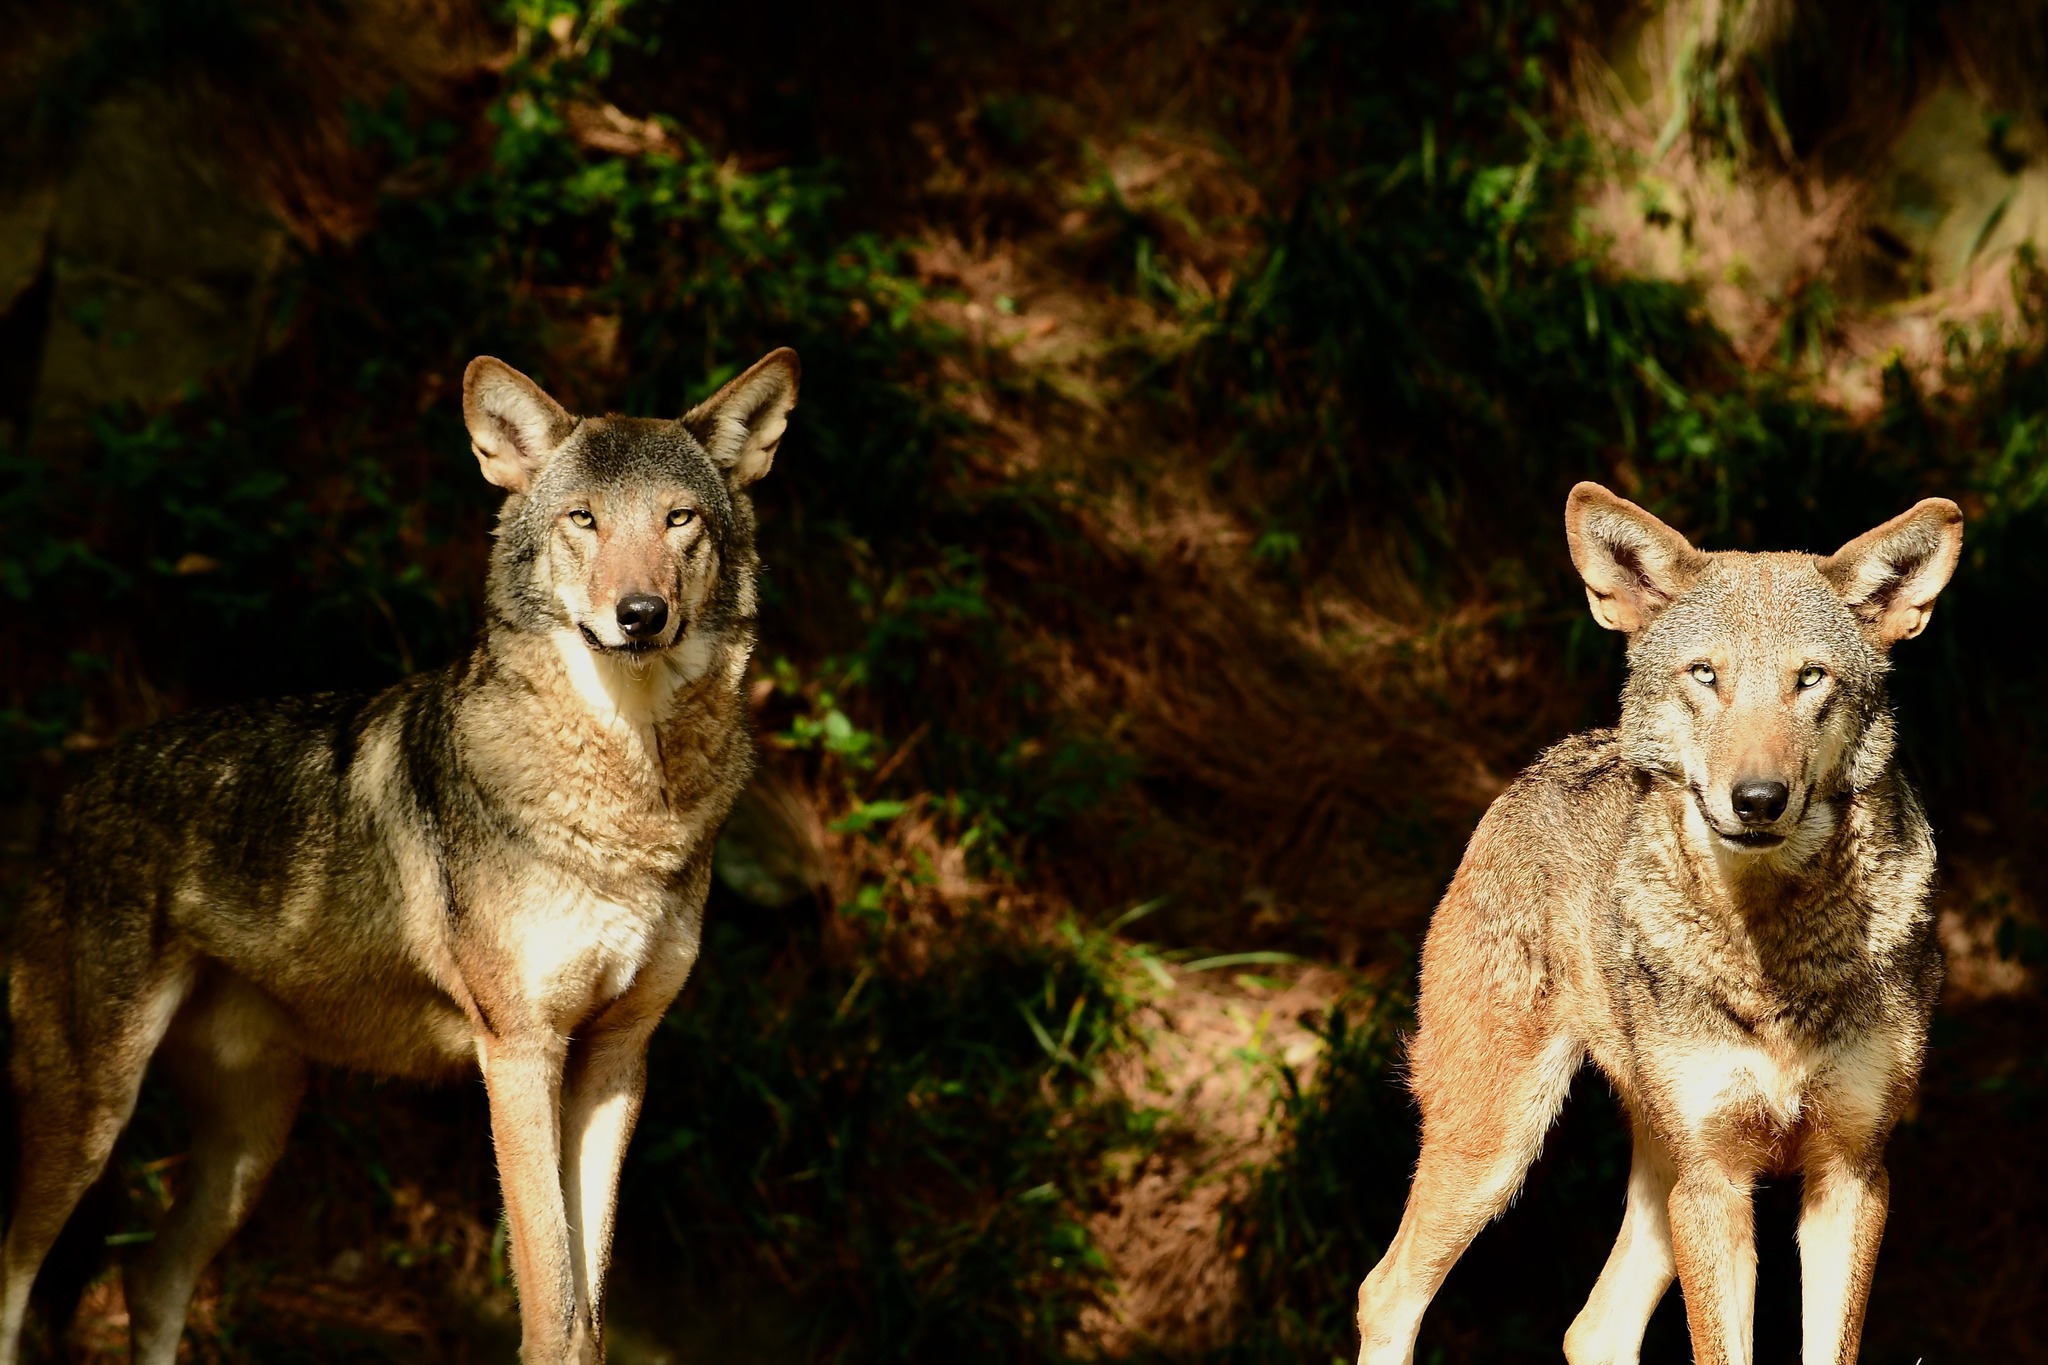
[(1807, 902), (636, 731)]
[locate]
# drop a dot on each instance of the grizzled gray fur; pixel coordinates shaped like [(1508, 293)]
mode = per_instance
[(500, 866)]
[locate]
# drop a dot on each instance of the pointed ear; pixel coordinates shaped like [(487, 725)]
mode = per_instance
[(1634, 565), (1891, 576), (741, 424), (513, 426)]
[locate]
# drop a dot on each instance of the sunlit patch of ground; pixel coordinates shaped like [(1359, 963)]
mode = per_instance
[(1216, 1044)]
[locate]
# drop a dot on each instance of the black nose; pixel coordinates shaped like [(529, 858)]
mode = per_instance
[(1758, 802), (642, 614)]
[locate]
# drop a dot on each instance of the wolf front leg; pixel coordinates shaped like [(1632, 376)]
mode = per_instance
[(523, 1078), (1713, 1240), (607, 1079), (1841, 1222)]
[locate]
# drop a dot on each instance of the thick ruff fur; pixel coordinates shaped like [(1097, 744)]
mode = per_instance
[(499, 866), (1724, 903)]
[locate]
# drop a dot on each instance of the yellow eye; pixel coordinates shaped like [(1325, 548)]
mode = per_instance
[(1811, 675), (1704, 674), (682, 516), (579, 516)]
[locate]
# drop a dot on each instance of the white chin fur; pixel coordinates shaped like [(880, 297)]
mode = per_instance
[(637, 689), (1816, 825)]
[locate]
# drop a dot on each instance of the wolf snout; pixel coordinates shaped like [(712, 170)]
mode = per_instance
[(642, 615), (1758, 801)]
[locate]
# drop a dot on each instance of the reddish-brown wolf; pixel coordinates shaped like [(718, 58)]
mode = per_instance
[(1723, 902)]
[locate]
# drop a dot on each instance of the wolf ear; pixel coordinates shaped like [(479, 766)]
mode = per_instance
[(741, 424), (1891, 576), (1634, 565), (513, 426)]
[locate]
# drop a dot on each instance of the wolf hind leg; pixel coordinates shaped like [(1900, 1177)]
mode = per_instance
[(1487, 1100), (73, 1096), (233, 1065), (1609, 1329)]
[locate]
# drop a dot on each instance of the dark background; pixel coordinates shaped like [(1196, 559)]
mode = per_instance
[(1165, 569)]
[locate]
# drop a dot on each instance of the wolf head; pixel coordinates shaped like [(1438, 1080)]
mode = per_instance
[(1757, 680), (626, 538)]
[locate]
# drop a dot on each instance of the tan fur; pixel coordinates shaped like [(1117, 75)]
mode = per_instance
[(1755, 980)]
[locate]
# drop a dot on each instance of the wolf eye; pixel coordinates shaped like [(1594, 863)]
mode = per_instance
[(1703, 674), (682, 516), (579, 516), (1811, 675)]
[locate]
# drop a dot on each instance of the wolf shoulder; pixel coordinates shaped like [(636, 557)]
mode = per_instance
[(1560, 825), (1519, 909)]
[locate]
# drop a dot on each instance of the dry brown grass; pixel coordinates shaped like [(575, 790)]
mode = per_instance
[(1213, 1047), (1308, 751)]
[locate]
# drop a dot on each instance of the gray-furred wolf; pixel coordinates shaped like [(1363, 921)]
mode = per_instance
[(1724, 902), (500, 865)]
